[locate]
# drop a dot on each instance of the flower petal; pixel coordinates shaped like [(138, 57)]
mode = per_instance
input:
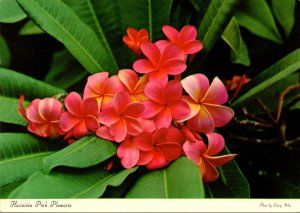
[(129, 154), (119, 130), (104, 132), (170, 150), (171, 51), (109, 116), (144, 66), (175, 135), (202, 122), (218, 161), (145, 157), (191, 47), (217, 93), (172, 87), (129, 78), (134, 127), (50, 109), (112, 86), (121, 101), (134, 110), (154, 91), (170, 32), (159, 76), (94, 84), (32, 112), (179, 109), (92, 123), (196, 86), (211, 173), (73, 103), (194, 150), (80, 129), (144, 141), (151, 109), (174, 66), (187, 33), (158, 161), (90, 107), (163, 118), (68, 121), (220, 114), (142, 36), (151, 51), (216, 143)]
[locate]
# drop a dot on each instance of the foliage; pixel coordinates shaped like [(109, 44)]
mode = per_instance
[(91, 32)]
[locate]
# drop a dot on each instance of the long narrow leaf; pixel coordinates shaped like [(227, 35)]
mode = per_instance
[(21, 155), (14, 84), (10, 11), (87, 151), (181, 179), (89, 183), (9, 113), (284, 67), (60, 21), (215, 20), (5, 53)]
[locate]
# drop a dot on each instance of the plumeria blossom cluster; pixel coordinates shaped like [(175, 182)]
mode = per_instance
[(152, 113)]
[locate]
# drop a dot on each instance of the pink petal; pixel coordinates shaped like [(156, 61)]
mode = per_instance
[(144, 66), (134, 127), (68, 121), (73, 103), (170, 32), (158, 161), (119, 130), (194, 150), (202, 122), (179, 109), (170, 150), (191, 47), (220, 114), (217, 93), (134, 110), (163, 118), (142, 35), (94, 84), (38, 129), (218, 161), (80, 130), (161, 44), (193, 107), (196, 86), (21, 108), (145, 157), (91, 123), (144, 141), (32, 112), (160, 136), (104, 132), (132, 33), (155, 92), (109, 116), (187, 33), (173, 87), (174, 66), (175, 135), (90, 107), (141, 84), (151, 109), (129, 78), (149, 125), (151, 52), (160, 77), (211, 173), (216, 143), (129, 154), (121, 101), (171, 51), (112, 86), (50, 109)]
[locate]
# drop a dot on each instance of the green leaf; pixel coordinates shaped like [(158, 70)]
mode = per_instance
[(281, 69), (61, 22), (4, 53), (9, 113), (88, 183), (14, 84), (231, 183), (7, 189), (170, 182), (232, 36), (87, 151), (65, 70), (285, 14), (256, 16), (10, 11), (21, 155), (30, 28), (215, 20)]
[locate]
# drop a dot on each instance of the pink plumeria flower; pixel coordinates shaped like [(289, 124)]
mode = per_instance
[(165, 103), (160, 63), (122, 118), (81, 116), (133, 84), (43, 116), (159, 148), (135, 38), (204, 156), (185, 39), (102, 88), (205, 103)]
